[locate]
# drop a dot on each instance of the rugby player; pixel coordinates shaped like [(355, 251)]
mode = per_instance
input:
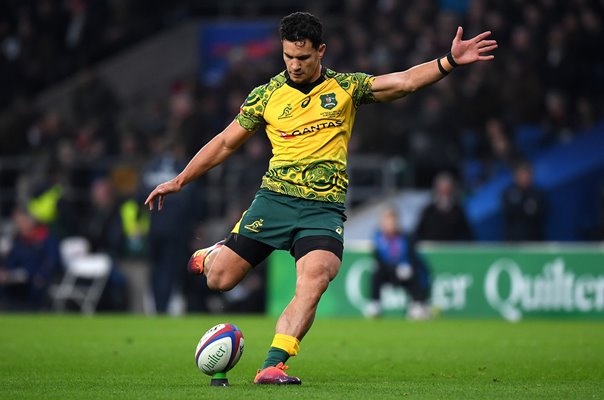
[(308, 112)]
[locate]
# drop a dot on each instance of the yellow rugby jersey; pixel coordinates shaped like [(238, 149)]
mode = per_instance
[(309, 127)]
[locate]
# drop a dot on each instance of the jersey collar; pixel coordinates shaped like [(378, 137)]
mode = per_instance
[(306, 87)]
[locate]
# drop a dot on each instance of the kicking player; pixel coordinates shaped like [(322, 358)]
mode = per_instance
[(308, 112)]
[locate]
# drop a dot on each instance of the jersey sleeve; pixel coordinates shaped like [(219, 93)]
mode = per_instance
[(251, 114), (362, 93), (358, 85)]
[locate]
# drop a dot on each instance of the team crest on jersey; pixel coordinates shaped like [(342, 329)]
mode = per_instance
[(287, 112), (328, 101)]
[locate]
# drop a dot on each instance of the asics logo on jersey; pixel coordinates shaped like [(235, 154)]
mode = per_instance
[(305, 102), (312, 128), (255, 226)]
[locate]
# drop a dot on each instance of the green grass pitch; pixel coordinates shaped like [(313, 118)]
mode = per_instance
[(72, 357)]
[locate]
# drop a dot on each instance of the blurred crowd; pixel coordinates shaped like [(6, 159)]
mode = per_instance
[(44, 41), (547, 72), (88, 172)]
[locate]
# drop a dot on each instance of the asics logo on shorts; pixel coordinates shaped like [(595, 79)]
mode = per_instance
[(254, 226)]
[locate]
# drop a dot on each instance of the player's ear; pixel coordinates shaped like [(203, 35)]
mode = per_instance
[(321, 50)]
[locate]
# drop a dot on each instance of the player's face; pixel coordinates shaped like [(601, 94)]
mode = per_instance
[(303, 61)]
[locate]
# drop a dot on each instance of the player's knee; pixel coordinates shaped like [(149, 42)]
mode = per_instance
[(220, 282), (314, 296), (315, 273), (321, 283), (311, 290)]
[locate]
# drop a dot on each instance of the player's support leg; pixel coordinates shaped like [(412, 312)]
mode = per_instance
[(314, 272)]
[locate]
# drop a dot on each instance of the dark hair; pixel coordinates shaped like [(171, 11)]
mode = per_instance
[(300, 26)]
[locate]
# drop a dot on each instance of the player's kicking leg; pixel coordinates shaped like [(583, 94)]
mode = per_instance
[(314, 272), (197, 262), (222, 267)]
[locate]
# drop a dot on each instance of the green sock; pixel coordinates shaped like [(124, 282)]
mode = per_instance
[(275, 356)]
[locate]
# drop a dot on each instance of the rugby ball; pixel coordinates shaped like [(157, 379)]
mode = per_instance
[(219, 349)]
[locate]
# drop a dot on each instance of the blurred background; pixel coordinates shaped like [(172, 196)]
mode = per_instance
[(101, 100)]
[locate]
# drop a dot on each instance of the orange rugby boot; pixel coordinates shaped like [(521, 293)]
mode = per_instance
[(275, 376), (197, 260)]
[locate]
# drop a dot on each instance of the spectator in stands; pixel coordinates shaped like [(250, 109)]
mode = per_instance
[(444, 219), (95, 105), (14, 122), (30, 264), (125, 168), (118, 228), (44, 135), (93, 99), (102, 226), (187, 121), (13, 142), (170, 230), (524, 207), (133, 260), (433, 147), (398, 264), (503, 155), (49, 200), (557, 123)]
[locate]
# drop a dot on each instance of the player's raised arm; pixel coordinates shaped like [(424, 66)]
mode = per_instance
[(399, 84), (213, 153)]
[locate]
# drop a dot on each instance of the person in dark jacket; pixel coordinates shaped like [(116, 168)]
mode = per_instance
[(30, 264), (524, 207), (102, 225), (444, 219), (169, 231)]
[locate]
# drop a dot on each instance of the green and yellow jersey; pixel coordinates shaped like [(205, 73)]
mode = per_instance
[(309, 127)]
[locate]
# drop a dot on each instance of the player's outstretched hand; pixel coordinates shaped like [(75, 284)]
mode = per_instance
[(160, 192), (472, 50)]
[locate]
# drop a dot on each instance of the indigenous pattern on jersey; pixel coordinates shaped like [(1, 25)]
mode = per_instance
[(309, 128)]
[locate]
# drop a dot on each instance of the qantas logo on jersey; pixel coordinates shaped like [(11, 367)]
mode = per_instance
[(312, 128)]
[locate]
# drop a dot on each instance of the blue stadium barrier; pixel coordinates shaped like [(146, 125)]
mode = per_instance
[(571, 175)]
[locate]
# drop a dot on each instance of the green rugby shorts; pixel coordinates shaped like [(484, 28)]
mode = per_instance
[(279, 220)]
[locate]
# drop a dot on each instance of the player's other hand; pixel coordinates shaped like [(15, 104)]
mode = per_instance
[(160, 193), (472, 50)]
